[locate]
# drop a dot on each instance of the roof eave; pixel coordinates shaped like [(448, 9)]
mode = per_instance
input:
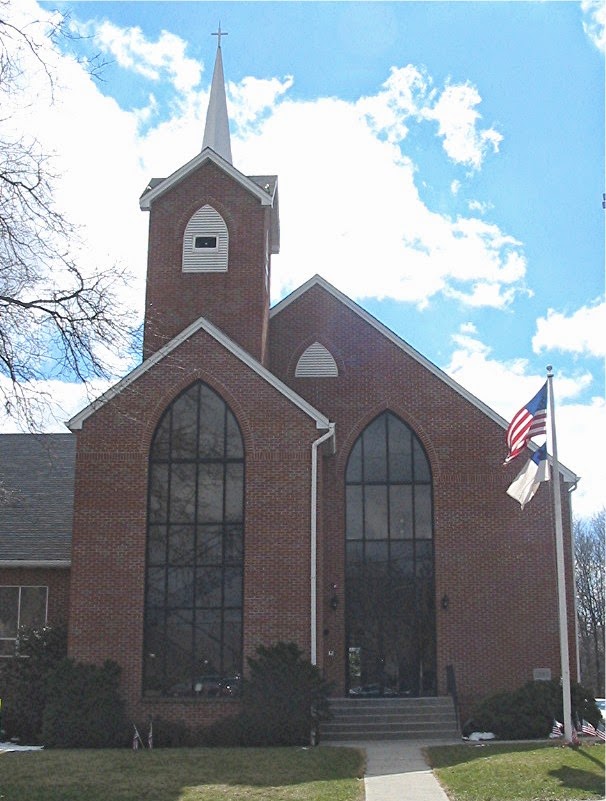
[(322, 422), (208, 154), (568, 475)]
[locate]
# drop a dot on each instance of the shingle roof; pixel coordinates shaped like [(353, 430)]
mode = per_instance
[(36, 496)]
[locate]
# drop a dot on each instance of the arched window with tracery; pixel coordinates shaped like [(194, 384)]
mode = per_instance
[(390, 613), (195, 540)]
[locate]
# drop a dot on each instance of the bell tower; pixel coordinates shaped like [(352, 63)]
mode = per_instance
[(212, 232)]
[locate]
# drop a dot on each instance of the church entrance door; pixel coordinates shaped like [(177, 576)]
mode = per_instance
[(390, 608)]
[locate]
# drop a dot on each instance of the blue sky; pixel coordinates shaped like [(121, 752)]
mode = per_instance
[(442, 163)]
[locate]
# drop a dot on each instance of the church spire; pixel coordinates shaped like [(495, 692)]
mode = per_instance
[(216, 131)]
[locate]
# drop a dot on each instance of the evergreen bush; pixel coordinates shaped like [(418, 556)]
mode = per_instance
[(529, 711), (84, 708), (23, 681), (284, 697)]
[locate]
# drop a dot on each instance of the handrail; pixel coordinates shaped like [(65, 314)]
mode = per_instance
[(451, 689)]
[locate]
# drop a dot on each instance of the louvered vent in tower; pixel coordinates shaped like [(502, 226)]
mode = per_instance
[(205, 242), (316, 362)]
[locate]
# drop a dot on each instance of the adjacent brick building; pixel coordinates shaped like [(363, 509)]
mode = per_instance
[(298, 474)]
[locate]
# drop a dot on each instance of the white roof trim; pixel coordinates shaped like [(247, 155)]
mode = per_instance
[(321, 421), (317, 280), (208, 154)]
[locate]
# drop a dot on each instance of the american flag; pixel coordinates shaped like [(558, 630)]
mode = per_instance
[(529, 422), (600, 732), (588, 729), (557, 730)]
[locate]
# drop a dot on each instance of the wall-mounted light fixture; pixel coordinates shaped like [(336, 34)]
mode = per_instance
[(445, 603), (334, 601)]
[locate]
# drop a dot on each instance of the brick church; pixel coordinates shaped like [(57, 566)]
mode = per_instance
[(296, 473)]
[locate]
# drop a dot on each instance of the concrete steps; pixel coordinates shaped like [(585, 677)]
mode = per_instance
[(390, 719)]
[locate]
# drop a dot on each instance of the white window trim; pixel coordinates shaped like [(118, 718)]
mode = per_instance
[(205, 250)]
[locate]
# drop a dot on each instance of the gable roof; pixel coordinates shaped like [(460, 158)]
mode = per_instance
[(322, 422), (317, 280), (36, 504), (263, 187)]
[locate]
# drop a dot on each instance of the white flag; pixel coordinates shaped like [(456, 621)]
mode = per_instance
[(524, 487)]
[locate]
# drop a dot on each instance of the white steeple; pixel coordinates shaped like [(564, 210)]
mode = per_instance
[(216, 131)]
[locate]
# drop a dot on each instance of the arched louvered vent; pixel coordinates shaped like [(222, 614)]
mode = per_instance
[(316, 362), (205, 242)]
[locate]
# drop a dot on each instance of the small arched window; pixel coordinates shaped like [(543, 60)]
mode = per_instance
[(205, 242), (193, 600)]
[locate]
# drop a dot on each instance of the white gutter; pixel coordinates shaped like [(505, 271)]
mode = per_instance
[(314, 541)]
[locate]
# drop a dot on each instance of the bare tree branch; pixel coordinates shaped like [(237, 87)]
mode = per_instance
[(59, 315), (589, 553)]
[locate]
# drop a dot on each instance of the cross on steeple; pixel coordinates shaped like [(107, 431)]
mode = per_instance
[(216, 131), (219, 33)]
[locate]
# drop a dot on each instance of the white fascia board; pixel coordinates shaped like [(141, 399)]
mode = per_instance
[(317, 280), (322, 422), (208, 154)]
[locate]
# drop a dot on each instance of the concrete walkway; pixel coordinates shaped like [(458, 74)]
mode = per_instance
[(396, 770)]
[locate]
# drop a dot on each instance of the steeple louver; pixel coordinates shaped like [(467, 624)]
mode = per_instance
[(216, 130)]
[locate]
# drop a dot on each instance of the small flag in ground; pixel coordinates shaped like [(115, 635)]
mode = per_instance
[(137, 741), (523, 488), (150, 736), (599, 732), (574, 735), (557, 730), (588, 729), (529, 422)]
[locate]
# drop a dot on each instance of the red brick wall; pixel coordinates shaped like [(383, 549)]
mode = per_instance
[(106, 617), (495, 562), (56, 579), (236, 301)]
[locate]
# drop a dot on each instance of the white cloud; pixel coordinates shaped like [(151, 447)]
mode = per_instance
[(455, 112), (408, 97), (506, 386), (252, 97), (164, 58), (334, 166), (53, 404), (582, 332), (594, 22), (482, 207)]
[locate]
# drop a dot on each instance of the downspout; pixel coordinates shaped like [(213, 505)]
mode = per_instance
[(314, 540)]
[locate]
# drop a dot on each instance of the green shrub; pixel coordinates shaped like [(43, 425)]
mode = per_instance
[(529, 711), (225, 733), (23, 681), (84, 708), (284, 697)]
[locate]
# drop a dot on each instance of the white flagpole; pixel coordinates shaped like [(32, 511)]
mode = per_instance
[(562, 607)]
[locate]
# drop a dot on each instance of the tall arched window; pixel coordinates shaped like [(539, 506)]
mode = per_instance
[(193, 600), (389, 561)]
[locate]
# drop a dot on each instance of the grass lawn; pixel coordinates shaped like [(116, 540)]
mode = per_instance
[(183, 774), (524, 772)]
